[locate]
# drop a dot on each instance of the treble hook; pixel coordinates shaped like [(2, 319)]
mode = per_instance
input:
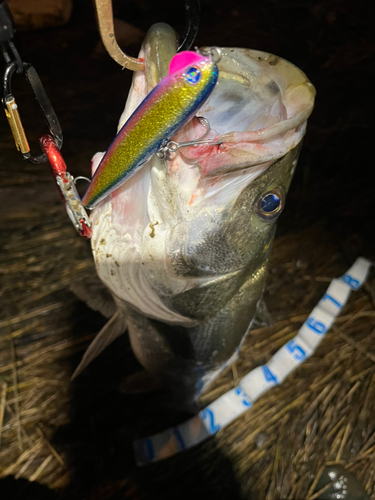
[(173, 146), (104, 16)]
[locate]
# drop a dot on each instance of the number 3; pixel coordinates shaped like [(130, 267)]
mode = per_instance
[(245, 400)]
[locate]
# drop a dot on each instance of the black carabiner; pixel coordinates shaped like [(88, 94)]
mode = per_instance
[(11, 110), (14, 64), (8, 48), (193, 10)]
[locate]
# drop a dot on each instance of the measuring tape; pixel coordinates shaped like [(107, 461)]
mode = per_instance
[(235, 402)]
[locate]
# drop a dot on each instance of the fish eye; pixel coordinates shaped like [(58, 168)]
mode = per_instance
[(270, 204), (192, 75)]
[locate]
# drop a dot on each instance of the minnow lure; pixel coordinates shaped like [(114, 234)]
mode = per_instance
[(166, 109)]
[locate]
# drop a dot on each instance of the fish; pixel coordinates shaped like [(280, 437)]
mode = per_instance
[(182, 247), (166, 109)]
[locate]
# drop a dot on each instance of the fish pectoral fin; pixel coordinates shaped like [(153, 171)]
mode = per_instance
[(140, 382), (115, 327), (95, 294)]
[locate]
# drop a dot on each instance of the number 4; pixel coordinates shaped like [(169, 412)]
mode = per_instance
[(268, 375)]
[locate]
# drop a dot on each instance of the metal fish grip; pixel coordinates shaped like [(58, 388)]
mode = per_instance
[(67, 188)]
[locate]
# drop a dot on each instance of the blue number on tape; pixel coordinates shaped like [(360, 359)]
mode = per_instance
[(208, 415), (334, 301), (297, 351), (317, 326), (245, 400), (268, 375), (352, 282)]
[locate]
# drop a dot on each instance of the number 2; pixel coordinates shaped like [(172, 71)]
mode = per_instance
[(208, 415)]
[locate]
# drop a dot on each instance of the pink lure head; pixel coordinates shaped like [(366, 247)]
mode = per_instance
[(183, 59)]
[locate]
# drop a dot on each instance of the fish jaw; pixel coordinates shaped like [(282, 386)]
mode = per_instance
[(166, 109)]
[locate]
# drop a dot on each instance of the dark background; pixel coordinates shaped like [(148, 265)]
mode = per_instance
[(331, 41)]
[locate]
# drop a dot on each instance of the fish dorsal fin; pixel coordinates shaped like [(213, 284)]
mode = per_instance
[(183, 59)]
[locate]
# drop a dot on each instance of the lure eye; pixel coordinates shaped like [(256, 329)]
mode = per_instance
[(270, 204), (192, 75)]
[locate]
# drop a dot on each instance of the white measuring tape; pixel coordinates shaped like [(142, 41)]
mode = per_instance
[(235, 402)]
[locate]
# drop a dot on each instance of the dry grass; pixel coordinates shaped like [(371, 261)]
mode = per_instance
[(40, 257), (322, 414)]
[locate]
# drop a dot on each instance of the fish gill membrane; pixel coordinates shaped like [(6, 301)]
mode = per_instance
[(183, 245)]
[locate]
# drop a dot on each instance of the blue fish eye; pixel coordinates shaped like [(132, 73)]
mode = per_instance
[(192, 75), (270, 204)]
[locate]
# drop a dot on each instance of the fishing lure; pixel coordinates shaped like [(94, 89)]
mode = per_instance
[(167, 108)]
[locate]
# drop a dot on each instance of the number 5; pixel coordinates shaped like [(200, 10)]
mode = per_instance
[(296, 350)]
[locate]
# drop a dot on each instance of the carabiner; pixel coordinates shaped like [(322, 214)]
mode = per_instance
[(104, 16), (12, 114), (192, 8), (10, 53), (66, 185)]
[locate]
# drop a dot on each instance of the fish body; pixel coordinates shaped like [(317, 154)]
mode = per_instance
[(166, 109), (184, 245)]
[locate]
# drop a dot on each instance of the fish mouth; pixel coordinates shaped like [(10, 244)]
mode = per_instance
[(257, 112)]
